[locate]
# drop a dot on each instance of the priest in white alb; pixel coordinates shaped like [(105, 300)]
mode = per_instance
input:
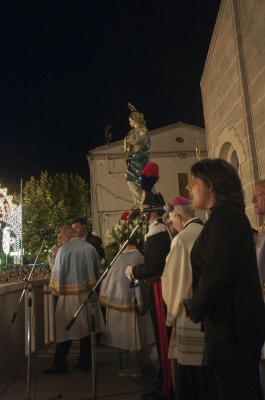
[(187, 340)]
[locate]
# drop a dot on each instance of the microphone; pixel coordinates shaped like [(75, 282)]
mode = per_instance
[(168, 207)]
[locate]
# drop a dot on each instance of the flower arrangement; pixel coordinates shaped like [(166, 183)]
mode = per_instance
[(113, 235)]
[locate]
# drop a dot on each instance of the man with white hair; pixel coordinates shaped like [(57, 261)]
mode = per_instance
[(187, 340), (74, 274)]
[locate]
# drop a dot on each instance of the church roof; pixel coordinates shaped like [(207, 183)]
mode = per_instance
[(152, 133)]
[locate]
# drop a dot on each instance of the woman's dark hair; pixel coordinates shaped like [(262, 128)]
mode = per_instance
[(131, 242), (222, 178)]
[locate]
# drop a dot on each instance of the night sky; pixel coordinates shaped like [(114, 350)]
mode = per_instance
[(69, 68)]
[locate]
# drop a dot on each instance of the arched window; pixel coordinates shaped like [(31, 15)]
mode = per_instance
[(229, 154)]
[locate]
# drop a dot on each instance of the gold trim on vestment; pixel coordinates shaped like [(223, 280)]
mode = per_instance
[(73, 288), (119, 307)]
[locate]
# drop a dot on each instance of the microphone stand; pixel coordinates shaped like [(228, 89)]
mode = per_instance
[(90, 298), (28, 286), (133, 285)]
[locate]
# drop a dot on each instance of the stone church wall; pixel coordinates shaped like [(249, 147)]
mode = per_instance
[(233, 91)]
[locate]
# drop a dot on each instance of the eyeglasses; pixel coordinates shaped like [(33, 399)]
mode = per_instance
[(170, 219)]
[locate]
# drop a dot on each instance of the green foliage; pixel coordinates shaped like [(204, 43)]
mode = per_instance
[(49, 203), (113, 235)]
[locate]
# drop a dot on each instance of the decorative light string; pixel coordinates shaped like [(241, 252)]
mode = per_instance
[(10, 215)]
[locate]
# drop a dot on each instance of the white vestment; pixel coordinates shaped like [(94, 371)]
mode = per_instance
[(187, 340), (123, 330)]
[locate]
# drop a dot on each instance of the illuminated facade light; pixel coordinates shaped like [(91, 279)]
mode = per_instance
[(10, 215)]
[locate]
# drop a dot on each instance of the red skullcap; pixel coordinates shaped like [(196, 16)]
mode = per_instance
[(180, 201)]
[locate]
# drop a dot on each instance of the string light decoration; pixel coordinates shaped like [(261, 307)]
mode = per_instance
[(10, 215), (6, 240)]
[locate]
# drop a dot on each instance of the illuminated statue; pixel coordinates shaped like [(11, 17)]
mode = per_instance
[(138, 146)]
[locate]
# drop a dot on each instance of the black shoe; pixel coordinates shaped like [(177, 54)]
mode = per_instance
[(79, 366), (53, 371)]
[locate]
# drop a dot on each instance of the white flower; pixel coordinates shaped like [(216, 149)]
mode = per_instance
[(116, 228)]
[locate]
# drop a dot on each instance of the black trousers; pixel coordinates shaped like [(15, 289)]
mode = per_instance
[(236, 370), (62, 350)]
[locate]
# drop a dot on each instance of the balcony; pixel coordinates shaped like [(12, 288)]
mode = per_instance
[(76, 385)]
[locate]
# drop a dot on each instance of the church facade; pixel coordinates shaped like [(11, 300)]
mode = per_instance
[(173, 148)]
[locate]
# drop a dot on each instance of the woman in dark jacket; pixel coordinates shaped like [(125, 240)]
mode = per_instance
[(227, 293)]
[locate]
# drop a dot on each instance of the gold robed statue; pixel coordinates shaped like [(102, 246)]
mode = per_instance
[(137, 145)]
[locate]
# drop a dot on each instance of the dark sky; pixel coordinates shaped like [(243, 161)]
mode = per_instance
[(69, 68)]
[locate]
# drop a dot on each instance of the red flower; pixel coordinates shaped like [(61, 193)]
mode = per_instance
[(125, 215)]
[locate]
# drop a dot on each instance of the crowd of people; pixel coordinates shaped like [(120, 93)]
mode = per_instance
[(14, 273), (196, 292)]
